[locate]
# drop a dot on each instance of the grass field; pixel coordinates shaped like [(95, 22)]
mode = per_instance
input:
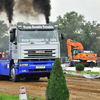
[(7, 97), (86, 72), (12, 97)]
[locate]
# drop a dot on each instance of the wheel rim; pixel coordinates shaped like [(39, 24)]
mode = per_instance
[(12, 73)]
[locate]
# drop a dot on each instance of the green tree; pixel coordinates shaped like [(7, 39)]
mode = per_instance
[(88, 36), (77, 28), (70, 24), (4, 38), (96, 42), (3, 28), (22, 23), (57, 88)]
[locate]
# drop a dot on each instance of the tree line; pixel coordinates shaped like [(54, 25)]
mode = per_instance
[(73, 25), (77, 28)]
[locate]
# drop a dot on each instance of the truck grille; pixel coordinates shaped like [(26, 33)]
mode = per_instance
[(37, 53)]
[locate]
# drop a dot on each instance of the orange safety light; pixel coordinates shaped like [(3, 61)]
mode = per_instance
[(84, 54), (96, 55)]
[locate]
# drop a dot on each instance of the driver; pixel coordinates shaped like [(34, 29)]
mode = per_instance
[(47, 36), (21, 37)]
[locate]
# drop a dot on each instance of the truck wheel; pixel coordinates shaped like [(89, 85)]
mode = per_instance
[(74, 64), (92, 65), (15, 78), (71, 64)]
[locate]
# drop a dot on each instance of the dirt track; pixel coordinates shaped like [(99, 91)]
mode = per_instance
[(80, 88)]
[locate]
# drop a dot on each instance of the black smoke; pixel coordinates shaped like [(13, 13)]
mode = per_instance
[(42, 6), (1, 6), (26, 8), (7, 6), (34, 7)]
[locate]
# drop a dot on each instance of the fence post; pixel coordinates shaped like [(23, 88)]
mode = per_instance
[(22, 93)]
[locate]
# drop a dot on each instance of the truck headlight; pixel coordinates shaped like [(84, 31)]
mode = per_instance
[(23, 64)]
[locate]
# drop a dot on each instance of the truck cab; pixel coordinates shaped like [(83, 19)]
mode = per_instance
[(32, 51)]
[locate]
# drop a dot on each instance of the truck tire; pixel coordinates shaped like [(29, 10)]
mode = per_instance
[(71, 64), (15, 78), (92, 65), (74, 64)]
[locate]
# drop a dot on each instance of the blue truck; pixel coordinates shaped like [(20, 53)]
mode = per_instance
[(32, 51)]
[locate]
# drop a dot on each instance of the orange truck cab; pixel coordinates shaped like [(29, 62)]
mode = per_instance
[(79, 55)]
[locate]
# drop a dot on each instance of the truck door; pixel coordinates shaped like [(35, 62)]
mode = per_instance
[(14, 47), (75, 52)]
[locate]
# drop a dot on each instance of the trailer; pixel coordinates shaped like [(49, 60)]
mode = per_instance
[(31, 52)]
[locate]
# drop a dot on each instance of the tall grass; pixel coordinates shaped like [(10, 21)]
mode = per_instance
[(7, 97), (39, 99)]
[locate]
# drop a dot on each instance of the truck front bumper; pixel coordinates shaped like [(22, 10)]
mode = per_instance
[(34, 67)]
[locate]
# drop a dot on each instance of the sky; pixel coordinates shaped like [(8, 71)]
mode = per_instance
[(88, 8)]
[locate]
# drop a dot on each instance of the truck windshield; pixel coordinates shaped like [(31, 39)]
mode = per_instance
[(38, 35)]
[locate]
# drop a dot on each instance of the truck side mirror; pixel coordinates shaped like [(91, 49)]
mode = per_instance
[(12, 35), (62, 36)]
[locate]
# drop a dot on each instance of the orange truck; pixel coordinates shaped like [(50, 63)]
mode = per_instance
[(79, 55)]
